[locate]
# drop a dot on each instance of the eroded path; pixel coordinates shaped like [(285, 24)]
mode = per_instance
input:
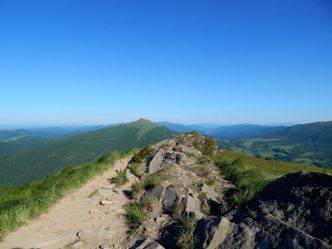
[(79, 220)]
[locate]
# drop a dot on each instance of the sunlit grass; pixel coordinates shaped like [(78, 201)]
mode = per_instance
[(19, 204)]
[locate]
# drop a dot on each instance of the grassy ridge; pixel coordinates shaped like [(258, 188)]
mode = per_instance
[(19, 204), (251, 174)]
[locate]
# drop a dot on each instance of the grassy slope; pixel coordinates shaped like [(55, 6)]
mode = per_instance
[(19, 204), (271, 167), (251, 174), (47, 159), (306, 152)]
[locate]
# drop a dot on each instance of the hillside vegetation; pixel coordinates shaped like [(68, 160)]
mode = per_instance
[(19, 204), (43, 160), (308, 144), (251, 174)]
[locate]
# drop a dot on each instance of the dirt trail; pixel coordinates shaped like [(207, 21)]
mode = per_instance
[(78, 220)]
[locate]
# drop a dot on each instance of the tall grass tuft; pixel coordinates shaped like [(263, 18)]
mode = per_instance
[(248, 181), (135, 216), (186, 240), (120, 178)]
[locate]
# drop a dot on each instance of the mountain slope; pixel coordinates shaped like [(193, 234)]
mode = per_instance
[(309, 144), (314, 132), (245, 130), (46, 159)]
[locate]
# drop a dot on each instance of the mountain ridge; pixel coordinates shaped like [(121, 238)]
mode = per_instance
[(55, 154)]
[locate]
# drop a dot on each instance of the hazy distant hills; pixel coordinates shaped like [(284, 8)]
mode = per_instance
[(228, 131), (47, 156)]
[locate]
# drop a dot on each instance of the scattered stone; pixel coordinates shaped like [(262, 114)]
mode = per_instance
[(162, 220), (93, 211), (116, 190), (78, 244), (107, 202)]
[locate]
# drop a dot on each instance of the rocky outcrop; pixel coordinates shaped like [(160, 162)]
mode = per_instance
[(295, 211), (181, 168)]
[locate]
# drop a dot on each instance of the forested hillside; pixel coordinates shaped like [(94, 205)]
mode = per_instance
[(45, 159)]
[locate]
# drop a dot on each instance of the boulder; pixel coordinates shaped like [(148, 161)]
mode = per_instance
[(154, 162), (168, 236), (170, 199), (294, 211), (152, 194), (212, 231)]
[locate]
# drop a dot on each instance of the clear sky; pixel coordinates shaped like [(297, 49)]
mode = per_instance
[(89, 62)]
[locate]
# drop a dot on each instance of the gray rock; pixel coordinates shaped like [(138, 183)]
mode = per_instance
[(210, 193), (170, 199), (152, 194), (212, 232), (193, 205), (154, 162), (154, 245), (150, 244), (191, 151)]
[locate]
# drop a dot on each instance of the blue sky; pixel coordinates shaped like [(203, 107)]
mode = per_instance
[(99, 62)]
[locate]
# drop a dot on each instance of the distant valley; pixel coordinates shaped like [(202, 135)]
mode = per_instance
[(309, 144)]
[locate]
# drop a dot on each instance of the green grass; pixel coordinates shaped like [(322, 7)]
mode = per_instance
[(251, 174), (186, 240), (135, 216), (120, 178), (142, 155), (139, 187), (19, 204), (136, 165), (211, 180), (37, 162), (209, 147), (135, 169), (271, 167), (248, 181)]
